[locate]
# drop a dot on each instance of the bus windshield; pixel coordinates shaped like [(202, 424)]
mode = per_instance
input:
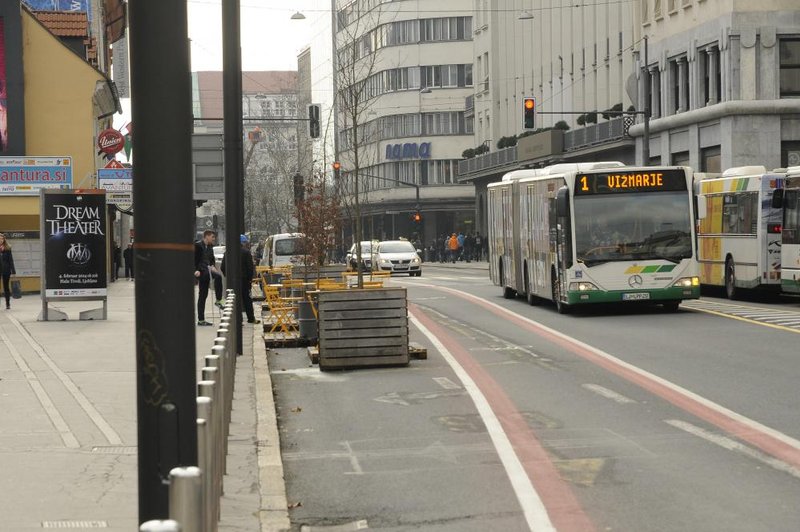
[(637, 226)]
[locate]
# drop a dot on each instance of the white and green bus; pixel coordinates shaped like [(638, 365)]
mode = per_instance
[(599, 232), (790, 233)]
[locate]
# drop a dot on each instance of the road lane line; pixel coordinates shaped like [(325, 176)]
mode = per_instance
[(446, 383), (353, 459), (520, 472), (50, 409), (733, 445), (109, 433), (608, 394), (767, 439), (746, 320)]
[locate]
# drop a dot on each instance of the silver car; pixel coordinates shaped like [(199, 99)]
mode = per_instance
[(398, 256)]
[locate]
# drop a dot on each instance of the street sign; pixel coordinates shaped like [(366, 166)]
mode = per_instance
[(114, 164), (118, 184), (208, 166)]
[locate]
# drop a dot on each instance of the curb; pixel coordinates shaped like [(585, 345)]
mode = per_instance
[(273, 513)]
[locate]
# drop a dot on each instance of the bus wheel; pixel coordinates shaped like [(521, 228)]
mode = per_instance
[(561, 307), (508, 292), (730, 279), (532, 299), (671, 306)]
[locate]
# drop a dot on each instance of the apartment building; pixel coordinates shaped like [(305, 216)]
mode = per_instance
[(404, 70), (724, 80)]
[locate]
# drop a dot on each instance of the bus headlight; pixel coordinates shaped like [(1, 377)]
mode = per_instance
[(582, 287), (687, 282)]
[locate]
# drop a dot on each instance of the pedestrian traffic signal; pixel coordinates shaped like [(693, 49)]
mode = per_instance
[(528, 114), (313, 121), (337, 166)]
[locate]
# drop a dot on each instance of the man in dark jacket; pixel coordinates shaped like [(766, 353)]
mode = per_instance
[(127, 257), (248, 272), (204, 270)]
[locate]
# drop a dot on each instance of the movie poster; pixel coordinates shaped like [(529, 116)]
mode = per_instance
[(3, 90), (74, 233)]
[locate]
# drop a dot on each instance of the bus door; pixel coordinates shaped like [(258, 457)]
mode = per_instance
[(561, 237), (790, 252)]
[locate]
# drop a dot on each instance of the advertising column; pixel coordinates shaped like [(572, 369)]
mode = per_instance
[(73, 248)]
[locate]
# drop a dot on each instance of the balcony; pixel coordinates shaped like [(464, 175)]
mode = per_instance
[(488, 160), (601, 133), (469, 106)]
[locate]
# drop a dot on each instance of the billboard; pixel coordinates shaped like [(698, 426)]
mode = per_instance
[(26, 176), (59, 5), (74, 243), (3, 90)]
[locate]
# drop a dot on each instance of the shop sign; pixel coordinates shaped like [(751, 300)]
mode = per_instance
[(408, 150), (110, 141), (29, 175)]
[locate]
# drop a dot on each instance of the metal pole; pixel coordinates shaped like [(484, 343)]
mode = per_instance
[(234, 164), (163, 252), (647, 110)]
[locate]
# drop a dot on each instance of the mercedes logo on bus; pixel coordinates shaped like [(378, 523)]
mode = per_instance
[(635, 281)]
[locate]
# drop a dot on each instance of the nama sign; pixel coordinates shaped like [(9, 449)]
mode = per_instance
[(409, 150), (110, 141)]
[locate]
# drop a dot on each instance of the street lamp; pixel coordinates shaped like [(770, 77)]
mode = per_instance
[(298, 16), (525, 15)]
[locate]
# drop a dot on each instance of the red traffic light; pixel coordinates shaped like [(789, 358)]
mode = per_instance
[(417, 217), (529, 103), (337, 165)]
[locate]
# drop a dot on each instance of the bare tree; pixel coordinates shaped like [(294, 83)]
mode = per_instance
[(357, 86)]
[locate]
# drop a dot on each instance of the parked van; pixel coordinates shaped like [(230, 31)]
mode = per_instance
[(283, 249)]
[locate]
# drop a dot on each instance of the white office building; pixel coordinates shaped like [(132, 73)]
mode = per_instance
[(724, 82)]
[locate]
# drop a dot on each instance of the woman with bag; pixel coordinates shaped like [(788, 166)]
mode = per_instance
[(6, 268)]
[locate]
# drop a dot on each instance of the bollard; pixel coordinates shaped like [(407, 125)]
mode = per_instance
[(212, 374), (206, 462), (186, 497), (161, 526), (209, 389), (218, 360)]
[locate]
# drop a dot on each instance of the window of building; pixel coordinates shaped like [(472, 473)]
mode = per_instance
[(790, 153), (790, 68), (645, 11), (711, 160), (657, 9), (680, 158)]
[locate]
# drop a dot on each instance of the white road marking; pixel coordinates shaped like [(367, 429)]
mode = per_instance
[(608, 394), (733, 445), (50, 409), (353, 459), (446, 383), (110, 434), (532, 506)]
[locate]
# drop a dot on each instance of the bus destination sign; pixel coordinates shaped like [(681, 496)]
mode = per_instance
[(633, 181)]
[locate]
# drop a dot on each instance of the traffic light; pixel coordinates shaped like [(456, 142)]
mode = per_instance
[(299, 189), (313, 121), (416, 217), (528, 114), (337, 166)]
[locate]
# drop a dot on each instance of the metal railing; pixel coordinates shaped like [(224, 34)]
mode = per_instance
[(596, 134), (195, 492), (488, 160)]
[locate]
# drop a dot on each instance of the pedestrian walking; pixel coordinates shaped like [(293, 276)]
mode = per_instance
[(248, 272), (469, 247), (6, 268), (204, 268), (460, 239), (478, 246), (117, 261), (127, 257), (452, 246)]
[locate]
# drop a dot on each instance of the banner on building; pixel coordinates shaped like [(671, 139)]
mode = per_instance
[(74, 243), (26, 176), (60, 5)]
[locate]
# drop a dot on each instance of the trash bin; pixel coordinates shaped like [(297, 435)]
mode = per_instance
[(306, 322)]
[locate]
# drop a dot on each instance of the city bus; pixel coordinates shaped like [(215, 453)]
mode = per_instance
[(585, 233), (739, 229), (790, 235)]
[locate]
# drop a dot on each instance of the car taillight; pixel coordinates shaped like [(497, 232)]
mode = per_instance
[(774, 228)]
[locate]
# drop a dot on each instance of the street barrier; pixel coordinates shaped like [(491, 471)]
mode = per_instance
[(195, 492)]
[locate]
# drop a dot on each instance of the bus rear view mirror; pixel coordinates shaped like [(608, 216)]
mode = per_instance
[(562, 202), (777, 198)]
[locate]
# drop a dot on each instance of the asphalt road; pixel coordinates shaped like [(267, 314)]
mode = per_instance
[(522, 419)]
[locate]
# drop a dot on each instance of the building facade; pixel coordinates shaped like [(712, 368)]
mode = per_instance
[(404, 70), (724, 83), (576, 60)]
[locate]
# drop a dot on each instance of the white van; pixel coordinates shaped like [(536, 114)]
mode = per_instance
[(283, 249)]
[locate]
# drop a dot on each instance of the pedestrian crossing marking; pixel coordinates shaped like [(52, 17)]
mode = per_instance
[(774, 318)]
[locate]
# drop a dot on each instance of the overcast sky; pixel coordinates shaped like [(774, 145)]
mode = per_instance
[(270, 39)]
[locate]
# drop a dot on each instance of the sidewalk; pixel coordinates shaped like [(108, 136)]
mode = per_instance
[(68, 421)]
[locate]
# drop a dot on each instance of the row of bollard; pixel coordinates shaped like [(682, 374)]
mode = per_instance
[(195, 492)]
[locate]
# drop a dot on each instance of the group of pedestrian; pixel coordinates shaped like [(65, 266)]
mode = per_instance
[(206, 271), (458, 247)]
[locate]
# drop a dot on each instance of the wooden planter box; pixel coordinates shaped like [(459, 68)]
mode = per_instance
[(359, 328)]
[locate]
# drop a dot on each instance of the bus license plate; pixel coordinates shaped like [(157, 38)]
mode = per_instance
[(636, 296)]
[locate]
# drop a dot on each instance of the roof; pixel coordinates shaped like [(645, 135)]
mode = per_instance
[(64, 24), (209, 84)]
